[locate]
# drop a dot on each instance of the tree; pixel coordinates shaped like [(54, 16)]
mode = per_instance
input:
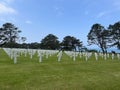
[(50, 42), (23, 39), (71, 43), (115, 34), (34, 45), (98, 35), (9, 33)]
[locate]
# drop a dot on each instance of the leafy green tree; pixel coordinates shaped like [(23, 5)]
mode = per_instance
[(115, 34), (34, 45), (9, 33), (99, 36), (50, 42), (23, 39), (71, 43)]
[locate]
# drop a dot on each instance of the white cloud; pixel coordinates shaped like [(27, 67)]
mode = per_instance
[(7, 1), (4, 9), (114, 7), (59, 11), (7, 12), (101, 14), (28, 22)]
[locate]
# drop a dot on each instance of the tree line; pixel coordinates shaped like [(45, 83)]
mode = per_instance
[(9, 37), (98, 35)]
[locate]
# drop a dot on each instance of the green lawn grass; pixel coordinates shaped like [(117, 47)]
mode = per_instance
[(29, 74)]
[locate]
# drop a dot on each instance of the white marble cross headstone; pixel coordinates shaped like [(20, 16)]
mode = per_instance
[(59, 56), (96, 56), (15, 57)]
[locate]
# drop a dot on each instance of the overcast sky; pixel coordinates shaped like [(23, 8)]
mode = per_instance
[(38, 18)]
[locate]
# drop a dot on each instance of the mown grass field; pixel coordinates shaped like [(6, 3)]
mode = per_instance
[(29, 74)]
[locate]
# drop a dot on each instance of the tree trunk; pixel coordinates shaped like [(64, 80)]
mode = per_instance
[(103, 50)]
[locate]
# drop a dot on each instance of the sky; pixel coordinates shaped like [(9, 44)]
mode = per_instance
[(38, 18)]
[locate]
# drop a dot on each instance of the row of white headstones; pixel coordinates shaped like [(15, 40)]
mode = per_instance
[(87, 55), (14, 53)]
